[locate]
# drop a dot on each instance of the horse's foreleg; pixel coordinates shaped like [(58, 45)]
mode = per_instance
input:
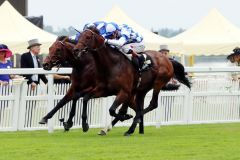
[(122, 112), (141, 125), (85, 125), (121, 98), (104, 131), (67, 125), (61, 103)]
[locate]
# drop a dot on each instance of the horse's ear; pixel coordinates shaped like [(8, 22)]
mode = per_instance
[(65, 39)]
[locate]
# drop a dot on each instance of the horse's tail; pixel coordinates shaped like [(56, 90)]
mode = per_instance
[(179, 72)]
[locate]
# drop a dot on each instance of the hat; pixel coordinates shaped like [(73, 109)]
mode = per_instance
[(164, 48), (4, 48), (33, 42)]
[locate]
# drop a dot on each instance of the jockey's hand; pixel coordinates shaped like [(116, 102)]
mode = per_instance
[(134, 54), (106, 41)]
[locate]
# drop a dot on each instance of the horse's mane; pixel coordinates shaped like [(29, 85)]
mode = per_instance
[(94, 29), (60, 38)]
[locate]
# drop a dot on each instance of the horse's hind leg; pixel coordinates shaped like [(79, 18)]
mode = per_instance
[(139, 102)]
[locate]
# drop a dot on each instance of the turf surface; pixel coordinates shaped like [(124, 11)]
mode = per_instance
[(192, 142)]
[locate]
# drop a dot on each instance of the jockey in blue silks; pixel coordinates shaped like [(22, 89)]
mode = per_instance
[(122, 37), (127, 40)]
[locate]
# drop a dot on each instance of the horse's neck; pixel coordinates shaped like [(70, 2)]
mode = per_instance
[(104, 59)]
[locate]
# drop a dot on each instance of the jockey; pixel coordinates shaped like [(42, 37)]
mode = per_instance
[(128, 41), (122, 37)]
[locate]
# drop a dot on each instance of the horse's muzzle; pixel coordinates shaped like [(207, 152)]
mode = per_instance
[(47, 66)]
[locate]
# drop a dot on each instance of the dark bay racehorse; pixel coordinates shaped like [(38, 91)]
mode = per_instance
[(84, 81), (120, 78)]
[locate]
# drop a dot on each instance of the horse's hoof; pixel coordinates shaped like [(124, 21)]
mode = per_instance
[(43, 121), (67, 125), (126, 134), (141, 132), (85, 127), (102, 133)]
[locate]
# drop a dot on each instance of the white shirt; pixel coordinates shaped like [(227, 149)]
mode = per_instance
[(35, 63)]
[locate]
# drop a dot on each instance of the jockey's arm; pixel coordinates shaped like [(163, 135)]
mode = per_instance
[(117, 42)]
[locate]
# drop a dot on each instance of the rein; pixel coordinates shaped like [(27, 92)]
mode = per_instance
[(94, 35)]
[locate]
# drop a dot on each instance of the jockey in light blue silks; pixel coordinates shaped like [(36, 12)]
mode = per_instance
[(122, 37)]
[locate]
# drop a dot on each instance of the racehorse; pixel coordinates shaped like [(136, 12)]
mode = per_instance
[(120, 78), (84, 80)]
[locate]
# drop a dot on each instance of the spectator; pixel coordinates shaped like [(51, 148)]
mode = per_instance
[(31, 60), (4, 63), (164, 50)]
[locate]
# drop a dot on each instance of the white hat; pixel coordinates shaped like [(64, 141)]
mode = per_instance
[(33, 42)]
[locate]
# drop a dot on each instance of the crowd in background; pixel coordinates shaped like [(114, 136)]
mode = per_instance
[(29, 59)]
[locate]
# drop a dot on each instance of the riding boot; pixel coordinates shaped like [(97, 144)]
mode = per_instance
[(135, 62)]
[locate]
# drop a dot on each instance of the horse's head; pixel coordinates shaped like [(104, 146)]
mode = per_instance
[(58, 53), (90, 40)]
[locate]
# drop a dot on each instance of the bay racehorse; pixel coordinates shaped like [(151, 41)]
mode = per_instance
[(120, 78), (84, 80)]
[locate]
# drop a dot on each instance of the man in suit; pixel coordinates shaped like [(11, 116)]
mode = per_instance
[(31, 60)]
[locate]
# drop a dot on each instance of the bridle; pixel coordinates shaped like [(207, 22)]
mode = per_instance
[(87, 48), (58, 57)]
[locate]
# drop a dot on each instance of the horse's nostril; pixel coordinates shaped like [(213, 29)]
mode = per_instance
[(46, 66)]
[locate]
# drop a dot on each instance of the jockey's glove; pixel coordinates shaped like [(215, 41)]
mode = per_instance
[(106, 41)]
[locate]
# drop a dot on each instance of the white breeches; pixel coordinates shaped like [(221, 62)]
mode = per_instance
[(136, 47)]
